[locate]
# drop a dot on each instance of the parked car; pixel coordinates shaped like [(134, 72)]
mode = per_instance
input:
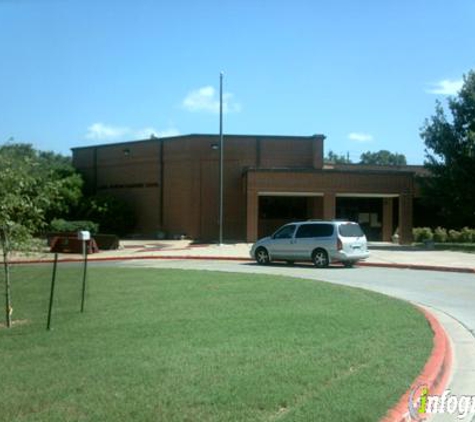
[(322, 242)]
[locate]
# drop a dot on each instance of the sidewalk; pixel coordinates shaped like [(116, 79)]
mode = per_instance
[(382, 254)]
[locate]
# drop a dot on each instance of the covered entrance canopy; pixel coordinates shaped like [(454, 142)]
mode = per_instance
[(377, 214), (278, 208), (380, 201)]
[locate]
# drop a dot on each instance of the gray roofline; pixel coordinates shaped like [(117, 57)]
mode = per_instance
[(336, 171), (356, 166), (208, 135)]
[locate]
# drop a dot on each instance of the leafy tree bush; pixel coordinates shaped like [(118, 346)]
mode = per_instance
[(454, 236), (383, 158), (31, 187), (422, 234), (60, 225), (467, 235), (334, 158), (49, 167), (113, 215), (440, 235), (450, 157)]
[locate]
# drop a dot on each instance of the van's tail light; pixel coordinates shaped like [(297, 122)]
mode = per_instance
[(339, 245)]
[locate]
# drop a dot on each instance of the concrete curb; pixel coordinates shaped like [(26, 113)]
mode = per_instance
[(419, 267), (131, 258), (435, 375), (466, 270)]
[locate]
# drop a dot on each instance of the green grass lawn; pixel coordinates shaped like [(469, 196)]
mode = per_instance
[(171, 345)]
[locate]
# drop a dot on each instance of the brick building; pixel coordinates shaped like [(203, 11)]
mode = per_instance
[(173, 185)]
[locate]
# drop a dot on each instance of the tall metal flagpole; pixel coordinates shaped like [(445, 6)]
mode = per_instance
[(221, 161)]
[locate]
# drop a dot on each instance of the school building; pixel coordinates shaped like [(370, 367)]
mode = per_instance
[(173, 185)]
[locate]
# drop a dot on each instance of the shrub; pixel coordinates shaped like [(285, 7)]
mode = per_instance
[(440, 235), (422, 234), (114, 215), (107, 242), (60, 225), (454, 236), (467, 235)]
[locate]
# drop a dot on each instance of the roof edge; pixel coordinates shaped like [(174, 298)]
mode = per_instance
[(199, 135)]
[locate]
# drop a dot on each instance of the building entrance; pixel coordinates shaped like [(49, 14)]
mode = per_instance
[(274, 211)]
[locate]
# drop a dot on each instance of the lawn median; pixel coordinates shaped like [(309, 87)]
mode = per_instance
[(172, 345)]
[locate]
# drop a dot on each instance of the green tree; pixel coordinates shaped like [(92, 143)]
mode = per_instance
[(335, 158), (30, 188), (114, 215), (450, 157), (383, 158)]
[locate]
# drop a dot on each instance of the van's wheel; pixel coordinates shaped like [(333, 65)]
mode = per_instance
[(290, 263), (320, 258), (262, 256)]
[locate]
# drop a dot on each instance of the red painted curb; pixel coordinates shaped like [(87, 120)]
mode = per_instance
[(434, 376), (221, 258), (132, 258), (419, 267)]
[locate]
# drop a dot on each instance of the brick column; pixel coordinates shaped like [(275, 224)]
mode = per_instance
[(317, 151), (315, 204), (387, 219), (329, 206), (252, 215), (405, 219)]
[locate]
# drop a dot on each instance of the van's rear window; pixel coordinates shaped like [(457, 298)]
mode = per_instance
[(350, 230), (314, 230)]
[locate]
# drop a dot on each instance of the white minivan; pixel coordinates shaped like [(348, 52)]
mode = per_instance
[(322, 242)]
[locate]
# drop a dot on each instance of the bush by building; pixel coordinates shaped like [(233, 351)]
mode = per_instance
[(422, 234), (64, 226), (442, 235)]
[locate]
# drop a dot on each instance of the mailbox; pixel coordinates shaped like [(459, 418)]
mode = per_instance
[(84, 235)]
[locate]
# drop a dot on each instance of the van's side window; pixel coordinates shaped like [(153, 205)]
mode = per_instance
[(285, 232), (314, 230)]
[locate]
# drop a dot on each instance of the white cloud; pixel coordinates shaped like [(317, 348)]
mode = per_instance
[(207, 99), (446, 87), (168, 133), (102, 132), (360, 137), (145, 133), (149, 132)]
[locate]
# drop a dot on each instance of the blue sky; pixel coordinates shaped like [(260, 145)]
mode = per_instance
[(364, 73)]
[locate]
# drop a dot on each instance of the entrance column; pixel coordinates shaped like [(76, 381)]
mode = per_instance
[(405, 219), (252, 215), (387, 219), (315, 205), (329, 206)]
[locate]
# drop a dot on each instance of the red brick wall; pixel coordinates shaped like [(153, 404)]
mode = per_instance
[(191, 179)]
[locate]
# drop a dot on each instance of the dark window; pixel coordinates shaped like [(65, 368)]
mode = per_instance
[(350, 230), (315, 230), (283, 208), (285, 232)]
